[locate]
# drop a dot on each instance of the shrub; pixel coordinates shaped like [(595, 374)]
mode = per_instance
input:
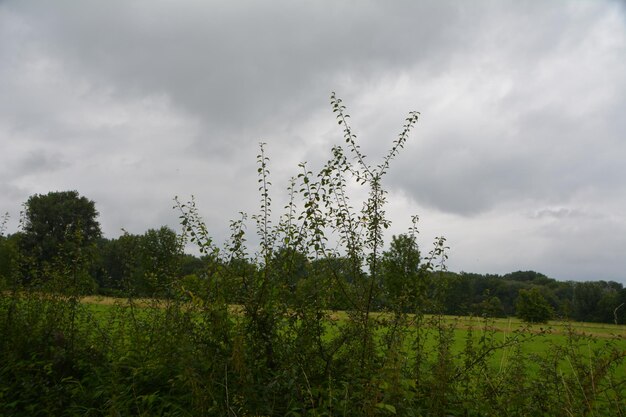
[(532, 307)]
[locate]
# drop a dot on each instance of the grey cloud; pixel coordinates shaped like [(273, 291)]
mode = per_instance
[(564, 213), (30, 164), (585, 248), (39, 161), (522, 102), (466, 179), (544, 139), (10, 193), (237, 64)]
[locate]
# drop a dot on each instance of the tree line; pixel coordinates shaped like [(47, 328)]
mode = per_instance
[(61, 237)]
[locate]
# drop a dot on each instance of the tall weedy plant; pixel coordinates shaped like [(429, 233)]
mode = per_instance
[(297, 276)]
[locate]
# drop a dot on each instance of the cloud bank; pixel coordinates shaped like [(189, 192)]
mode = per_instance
[(517, 157)]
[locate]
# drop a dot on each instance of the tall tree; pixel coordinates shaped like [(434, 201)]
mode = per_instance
[(60, 228), (145, 264), (400, 265), (161, 254)]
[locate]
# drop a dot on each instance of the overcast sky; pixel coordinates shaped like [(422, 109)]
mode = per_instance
[(519, 157)]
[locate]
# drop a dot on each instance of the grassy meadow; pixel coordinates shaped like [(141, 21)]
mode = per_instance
[(534, 339)]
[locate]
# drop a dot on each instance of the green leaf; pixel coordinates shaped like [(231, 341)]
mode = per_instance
[(387, 407)]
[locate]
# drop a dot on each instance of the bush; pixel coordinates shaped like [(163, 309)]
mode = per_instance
[(532, 307)]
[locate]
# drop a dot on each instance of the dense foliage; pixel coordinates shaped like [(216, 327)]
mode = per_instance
[(242, 333)]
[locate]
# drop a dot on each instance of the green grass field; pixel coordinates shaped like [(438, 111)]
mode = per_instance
[(502, 325), (534, 338)]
